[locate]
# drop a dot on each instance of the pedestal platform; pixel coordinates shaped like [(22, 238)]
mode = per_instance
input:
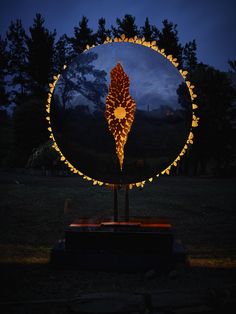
[(140, 244)]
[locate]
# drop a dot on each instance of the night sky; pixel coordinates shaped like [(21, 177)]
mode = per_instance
[(211, 23), (153, 79)]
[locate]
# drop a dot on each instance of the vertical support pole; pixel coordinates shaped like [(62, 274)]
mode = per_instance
[(115, 208), (127, 202)]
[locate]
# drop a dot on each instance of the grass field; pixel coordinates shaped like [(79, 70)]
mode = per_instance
[(202, 211)]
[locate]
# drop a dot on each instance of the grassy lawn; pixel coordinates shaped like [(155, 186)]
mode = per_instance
[(202, 211)]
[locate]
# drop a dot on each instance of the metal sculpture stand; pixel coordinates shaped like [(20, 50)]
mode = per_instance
[(115, 204), (125, 243), (115, 208), (127, 203)]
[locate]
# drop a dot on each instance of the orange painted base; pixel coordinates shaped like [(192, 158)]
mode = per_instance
[(141, 222)]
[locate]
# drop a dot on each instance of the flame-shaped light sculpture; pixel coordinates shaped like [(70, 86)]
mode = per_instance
[(189, 141), (120, 109)]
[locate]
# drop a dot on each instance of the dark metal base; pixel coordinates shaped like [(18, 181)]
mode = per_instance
[(138, 245)]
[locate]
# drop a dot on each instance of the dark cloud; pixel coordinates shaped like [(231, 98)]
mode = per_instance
[(153, 79), (146, 69)]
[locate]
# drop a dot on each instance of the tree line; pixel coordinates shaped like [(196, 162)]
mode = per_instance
[(28, 61)]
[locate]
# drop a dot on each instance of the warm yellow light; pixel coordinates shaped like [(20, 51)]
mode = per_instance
[(120, 109), (120, 112)]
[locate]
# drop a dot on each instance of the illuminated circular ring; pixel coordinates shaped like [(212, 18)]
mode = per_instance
[(152, 45)]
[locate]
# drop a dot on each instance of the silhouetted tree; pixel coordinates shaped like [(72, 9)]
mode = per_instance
[(102, 32), (40, 56), (30, 129), (213, 138), (83, 36), (6, 134), (190, 56), (82, 77), (126, 26), (63, 53), (97, 89), (45, 158), (232, 64), (168, 39), (17, 61), (3, 72), (65, 88), (34, 59), (149, 31), (232, 76), (184, 98), (6, 137)]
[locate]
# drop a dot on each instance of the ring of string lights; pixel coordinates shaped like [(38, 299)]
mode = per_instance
[(152, 45)]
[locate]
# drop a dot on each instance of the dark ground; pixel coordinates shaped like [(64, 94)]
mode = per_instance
[(202, 211)]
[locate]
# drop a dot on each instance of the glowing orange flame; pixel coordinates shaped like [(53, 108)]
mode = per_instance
[(120, 109)]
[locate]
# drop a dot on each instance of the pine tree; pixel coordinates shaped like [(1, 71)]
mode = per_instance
[(102, 32), (149, 32), (83, 36), (126, 26), (40, 56), (189, 56), (63, 53), (17, 60), (6, 133), (29, 123), (168, 39), (3, 72)]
